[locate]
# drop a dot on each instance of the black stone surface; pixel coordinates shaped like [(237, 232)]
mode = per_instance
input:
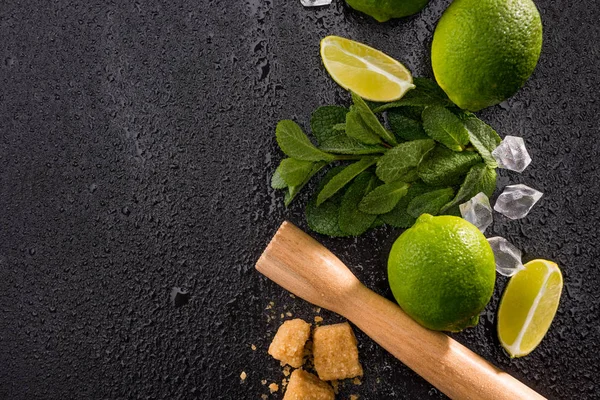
[(136, 145)]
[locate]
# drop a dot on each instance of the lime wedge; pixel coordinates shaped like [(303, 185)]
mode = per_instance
[(528, 306), (367, 72)]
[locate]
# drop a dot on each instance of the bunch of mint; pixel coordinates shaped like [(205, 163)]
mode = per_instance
[(432, 157)]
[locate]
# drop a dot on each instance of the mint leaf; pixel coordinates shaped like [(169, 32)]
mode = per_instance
[(294, 190), (359, 129), (410, 176), (324, 219), (341, 127), (403, 123), (480, 178), (343, 144), (383, 198), (398, 217), (343, 178), (445, 127), (444, 167), (294, 172), (430, 202), (401, 159), (277, 181), (484, 138), (324, 120), (294, 143), (427, 93), (353, 221), (377, 223), (370, 120)]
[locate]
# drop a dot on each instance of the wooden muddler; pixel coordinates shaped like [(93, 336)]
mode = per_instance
[(301, 265)]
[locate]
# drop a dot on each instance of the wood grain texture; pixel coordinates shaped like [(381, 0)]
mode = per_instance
[(300, 264)]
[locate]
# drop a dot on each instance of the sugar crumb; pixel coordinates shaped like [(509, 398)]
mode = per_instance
[(336, 386), (243, 376), (286, 371), (357, 381), (292, 295), (289, 314), (253, 347), (264, 396), (273, 387), (271, 305), (318, 319), (354, 397), (264, 381), (282, 315)]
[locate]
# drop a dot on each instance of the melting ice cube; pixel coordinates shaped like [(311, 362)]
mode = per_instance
[(478, 211), (508, 257), (512, 154), (516, 201), (315, 3)]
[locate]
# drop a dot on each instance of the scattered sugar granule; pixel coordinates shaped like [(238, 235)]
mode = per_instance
[(243, 376), (318, 319), (356, 381), (336, 386), (264, 381), (273, 387), (354, 397), (253, 347)]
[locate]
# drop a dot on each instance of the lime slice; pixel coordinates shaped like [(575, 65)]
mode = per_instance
[(528, 306), (367, 72)]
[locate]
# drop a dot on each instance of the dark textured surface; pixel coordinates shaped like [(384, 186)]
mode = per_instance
[(136, 144)]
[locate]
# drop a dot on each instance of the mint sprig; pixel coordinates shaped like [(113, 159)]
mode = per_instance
[(424, 156)]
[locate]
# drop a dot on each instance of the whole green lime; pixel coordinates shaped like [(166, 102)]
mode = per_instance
[(483, 51), (382, 10), (442, 272)]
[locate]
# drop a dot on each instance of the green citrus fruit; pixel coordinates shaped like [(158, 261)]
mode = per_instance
[(442, 272), (483, 51), (528, 306), (382, 10)]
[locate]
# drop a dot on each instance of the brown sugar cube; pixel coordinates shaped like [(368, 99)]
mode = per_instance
[(305, 386), (288, 344), (335, 352)]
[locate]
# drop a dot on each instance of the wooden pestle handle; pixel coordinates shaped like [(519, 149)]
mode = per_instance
[(301, 265)]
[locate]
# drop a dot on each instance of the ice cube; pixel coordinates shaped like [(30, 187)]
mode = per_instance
[(512, 154), (508, 257), (516, 201), (478, 211), (315, 3)]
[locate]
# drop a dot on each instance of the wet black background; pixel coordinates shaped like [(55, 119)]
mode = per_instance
[(136, 145)]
